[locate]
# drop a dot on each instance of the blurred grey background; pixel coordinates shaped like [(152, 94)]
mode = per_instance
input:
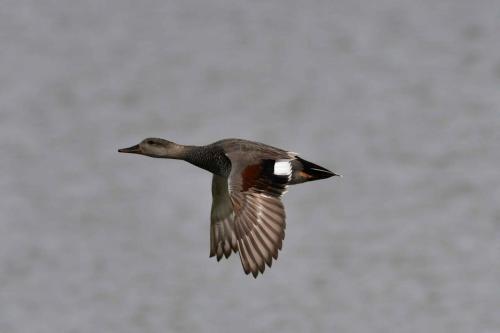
[(402, 97)]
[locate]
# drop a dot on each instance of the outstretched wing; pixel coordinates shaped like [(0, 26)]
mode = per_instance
[(259, 221), (222, 233)]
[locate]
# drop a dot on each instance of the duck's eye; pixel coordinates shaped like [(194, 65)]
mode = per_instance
[(151, 142)]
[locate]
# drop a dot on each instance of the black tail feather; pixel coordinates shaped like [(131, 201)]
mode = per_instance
[(313, 171)]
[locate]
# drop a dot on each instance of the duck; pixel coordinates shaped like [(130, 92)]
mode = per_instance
[(249, 179)]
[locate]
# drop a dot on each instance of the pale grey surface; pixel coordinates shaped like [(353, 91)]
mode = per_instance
[(401, 97)]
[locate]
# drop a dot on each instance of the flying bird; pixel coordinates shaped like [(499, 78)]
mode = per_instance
[(249, 178)]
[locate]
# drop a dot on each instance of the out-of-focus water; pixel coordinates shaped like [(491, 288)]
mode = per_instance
[(401, 97)]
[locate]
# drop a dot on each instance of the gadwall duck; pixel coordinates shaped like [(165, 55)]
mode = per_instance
[(248, 181)]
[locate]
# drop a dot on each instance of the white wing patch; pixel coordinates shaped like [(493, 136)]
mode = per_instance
[(282, 168)]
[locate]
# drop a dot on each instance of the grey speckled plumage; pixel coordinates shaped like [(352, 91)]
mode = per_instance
[(249, 178)]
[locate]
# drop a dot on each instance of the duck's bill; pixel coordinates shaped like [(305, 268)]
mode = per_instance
[(134, 150)]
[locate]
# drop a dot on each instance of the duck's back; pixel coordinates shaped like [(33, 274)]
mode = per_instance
[(252, 149), (278, 165)]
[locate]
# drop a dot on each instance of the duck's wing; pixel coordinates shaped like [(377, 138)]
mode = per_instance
[(259, 220), (222, 233)]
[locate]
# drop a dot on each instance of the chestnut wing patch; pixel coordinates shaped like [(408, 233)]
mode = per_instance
[(262, 178)]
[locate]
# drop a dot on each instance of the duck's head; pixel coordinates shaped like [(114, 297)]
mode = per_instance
[(156, 147)]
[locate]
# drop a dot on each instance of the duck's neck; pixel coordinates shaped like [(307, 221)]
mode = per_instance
[(208, 158)]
